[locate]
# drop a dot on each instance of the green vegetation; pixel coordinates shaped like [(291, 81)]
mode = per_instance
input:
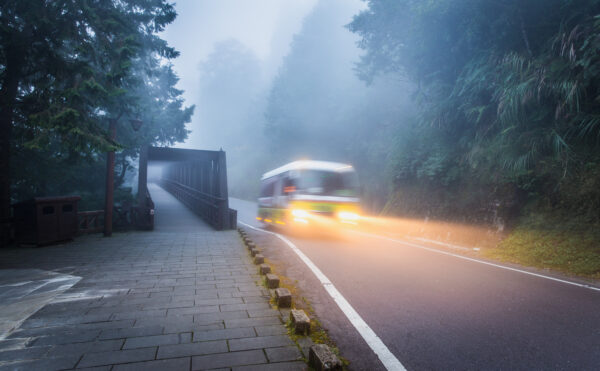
[(507, 124), (559, 243), (68, 69)]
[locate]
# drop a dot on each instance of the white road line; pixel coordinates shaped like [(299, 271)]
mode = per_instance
[(385, 356), (479, 261)]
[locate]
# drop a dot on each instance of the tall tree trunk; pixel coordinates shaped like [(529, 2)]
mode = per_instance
[(110, 181), (8, 94)]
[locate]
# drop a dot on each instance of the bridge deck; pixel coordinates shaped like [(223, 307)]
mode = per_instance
[(171, 215)]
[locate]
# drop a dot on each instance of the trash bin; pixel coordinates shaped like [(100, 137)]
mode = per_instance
[(45, 220)]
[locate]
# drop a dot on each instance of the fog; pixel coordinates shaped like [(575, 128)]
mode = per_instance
[(274, 83)]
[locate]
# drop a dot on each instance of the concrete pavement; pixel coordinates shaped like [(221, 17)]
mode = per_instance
[(164, 300)]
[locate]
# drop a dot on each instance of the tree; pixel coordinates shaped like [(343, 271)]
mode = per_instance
[(508, 88), (64, 66)]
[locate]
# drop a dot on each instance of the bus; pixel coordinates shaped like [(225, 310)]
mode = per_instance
[(309, 193)]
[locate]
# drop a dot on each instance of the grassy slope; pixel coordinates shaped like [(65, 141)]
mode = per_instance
[(566, 244)]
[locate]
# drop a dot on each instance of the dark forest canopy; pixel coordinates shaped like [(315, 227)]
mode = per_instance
[(67, 68), (507, 93)]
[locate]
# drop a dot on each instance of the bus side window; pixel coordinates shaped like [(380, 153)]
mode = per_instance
[(288, 185), (267, 189), (264, 189)]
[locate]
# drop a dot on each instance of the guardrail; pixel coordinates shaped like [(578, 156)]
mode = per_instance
[(90, 221), (207, 206), (197, 178), (143, 213)]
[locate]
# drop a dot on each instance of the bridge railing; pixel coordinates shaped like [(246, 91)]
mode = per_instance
[(208, 207), (198, 178), (143, 213), (203, 204), (90, 221)]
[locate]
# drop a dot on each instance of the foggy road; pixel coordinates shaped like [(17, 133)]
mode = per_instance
[(437, 311)]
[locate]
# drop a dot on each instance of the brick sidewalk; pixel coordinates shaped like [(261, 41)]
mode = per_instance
[(151, 301)]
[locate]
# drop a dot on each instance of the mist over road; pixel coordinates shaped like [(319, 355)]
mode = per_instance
[(437, 311)]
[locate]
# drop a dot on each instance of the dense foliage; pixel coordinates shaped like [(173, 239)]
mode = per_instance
[(69, 67), (508, 101)]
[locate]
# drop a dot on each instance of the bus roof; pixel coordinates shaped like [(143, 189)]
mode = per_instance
[(312, 165)]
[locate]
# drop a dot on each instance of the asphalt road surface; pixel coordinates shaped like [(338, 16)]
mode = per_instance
[(435, 311)]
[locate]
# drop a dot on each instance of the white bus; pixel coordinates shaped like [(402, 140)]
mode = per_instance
[(309, 193)]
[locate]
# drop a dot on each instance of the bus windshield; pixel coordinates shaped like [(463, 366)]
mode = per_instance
[(327, 183)]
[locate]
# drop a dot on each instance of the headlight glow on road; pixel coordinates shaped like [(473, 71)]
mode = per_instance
[(345, 215), (299, 213)]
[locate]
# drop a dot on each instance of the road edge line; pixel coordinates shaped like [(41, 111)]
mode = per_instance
[(582, 285), (390, 362)]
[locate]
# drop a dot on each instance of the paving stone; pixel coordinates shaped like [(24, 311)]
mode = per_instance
[(252, 322), (285, 366), (300, 321), (126, 323), (191, 349), (130, 332), (58, 363), (250, 306), (23, 354), (220, 316), (149, 300), (321, 358), (259, 259), (255, 292), (228, 359), (175, 304), (175, 364), (147, 322), (81, 348), (206, 294), (272, 281), (283, 297), (60, 321), (193, 310), (256, 299), (120, 356), (260, 342), (187, 327), (289, 353), (233, 333), (73, 337), (270, 330), (12, 344), (149, 341), (264, 313), (264, 269), (140, 314), (219, 301)]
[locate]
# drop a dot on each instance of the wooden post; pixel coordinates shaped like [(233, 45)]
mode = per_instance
[(110, 181)]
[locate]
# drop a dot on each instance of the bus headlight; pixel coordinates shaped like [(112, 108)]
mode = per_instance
[(347, 216), (299, 213)]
